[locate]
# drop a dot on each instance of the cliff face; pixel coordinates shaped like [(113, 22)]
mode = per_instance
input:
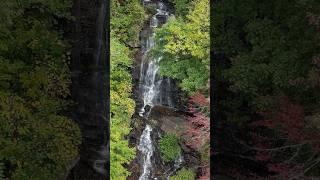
[(90, 87)]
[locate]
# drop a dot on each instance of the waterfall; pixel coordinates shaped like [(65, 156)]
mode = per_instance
[(154, 90), (146, 148), (177, 164), (151, 83)]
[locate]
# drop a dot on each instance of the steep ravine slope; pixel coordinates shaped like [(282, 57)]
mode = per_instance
[(158, 105)]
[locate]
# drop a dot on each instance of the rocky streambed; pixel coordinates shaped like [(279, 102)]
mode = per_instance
[(162, 120)]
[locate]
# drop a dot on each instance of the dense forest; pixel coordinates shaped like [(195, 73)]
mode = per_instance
[(39, 137), (265, 111), (267, 87), (183, 45), (38, 140)]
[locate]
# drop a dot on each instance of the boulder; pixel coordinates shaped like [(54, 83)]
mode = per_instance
[(169, 120)]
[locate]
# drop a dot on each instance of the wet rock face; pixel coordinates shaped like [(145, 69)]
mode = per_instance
[(158, 101), (163, 120), (137, 123), (135, 167), (168, 120), (168, 88), (171, 120), (90, 88)]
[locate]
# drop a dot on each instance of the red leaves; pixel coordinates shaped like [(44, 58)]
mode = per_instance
[(200, 121), (281, 135), (288, 119), (194, 137), (199, 99), (199, 125), (198, 134), (199, 130)]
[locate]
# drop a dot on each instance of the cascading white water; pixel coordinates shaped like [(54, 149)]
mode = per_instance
[(152, 86), (177, 164), (150, 81), (146, 148)]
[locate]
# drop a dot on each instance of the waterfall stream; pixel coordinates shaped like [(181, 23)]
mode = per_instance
[(146, 147), (154, 90), (152, 84)]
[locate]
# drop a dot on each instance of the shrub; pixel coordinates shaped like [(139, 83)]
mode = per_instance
[(169, 147), (184, 174), (151, 9)]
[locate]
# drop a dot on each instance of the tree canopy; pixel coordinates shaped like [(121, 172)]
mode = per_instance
[(126, 22), (37, 139), (269, 78), (183, 44), (183, 47)]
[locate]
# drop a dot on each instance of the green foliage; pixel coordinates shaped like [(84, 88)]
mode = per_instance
[(205, 153), (127, 18), (126, 22), (37, 139), (184, 174), (271, 47), (151, 9), (183, 45), (121, 109), (181, 7), (169, 147)]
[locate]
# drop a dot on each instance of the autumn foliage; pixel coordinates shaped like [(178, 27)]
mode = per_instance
[(296, 139), (197, 136), (267, 78), (199, 128)]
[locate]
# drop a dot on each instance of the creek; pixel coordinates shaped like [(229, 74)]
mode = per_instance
[(153, 90)]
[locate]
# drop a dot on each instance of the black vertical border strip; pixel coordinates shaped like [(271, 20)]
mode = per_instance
[(107, 26)]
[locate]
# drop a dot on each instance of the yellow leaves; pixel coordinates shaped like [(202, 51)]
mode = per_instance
[(190, 37), (35, 138), (121, 109), (121, 104), (200, 14), (184, 45)]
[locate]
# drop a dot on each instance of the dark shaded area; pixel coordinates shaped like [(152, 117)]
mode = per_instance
[(262, 96), (90, 87), (225, 148)]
